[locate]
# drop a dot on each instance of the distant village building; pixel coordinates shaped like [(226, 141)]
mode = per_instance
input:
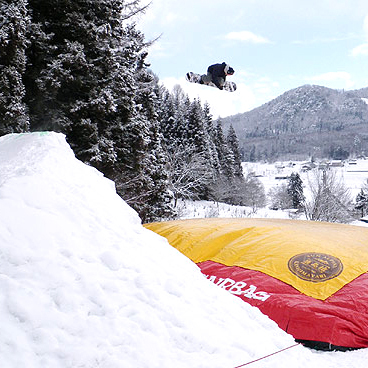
[(323, 166), (306, 166), (337, 163)]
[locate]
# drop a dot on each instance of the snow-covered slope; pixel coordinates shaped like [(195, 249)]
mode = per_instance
[(83, 284)]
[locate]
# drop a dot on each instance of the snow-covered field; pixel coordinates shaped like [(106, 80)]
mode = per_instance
[(207, 209), (352, 173), (83, 284)]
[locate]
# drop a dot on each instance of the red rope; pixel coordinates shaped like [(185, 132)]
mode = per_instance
[(253, 361)]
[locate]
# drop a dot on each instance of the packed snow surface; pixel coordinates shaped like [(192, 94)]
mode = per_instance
[(83, 284)]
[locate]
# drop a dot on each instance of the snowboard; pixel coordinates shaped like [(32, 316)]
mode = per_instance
[(195, 78)]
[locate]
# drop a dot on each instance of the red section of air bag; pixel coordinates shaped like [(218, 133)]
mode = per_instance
[(340, 320)]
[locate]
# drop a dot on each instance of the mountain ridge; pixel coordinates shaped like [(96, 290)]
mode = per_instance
[(307, 121)]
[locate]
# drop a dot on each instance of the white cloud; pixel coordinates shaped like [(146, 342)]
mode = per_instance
[(333, 80), (159, 49), (171, 17), (365, 26), (360, 50), (265, 86), (222, 103), (325, 39), (246, 36)]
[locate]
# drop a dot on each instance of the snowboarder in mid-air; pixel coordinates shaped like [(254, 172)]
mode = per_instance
[(216, 74), (216, 77)]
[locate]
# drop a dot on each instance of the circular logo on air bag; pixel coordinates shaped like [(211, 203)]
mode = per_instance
[(315, 267)]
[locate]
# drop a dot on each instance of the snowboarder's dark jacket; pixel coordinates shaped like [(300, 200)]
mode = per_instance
[(218, 72)]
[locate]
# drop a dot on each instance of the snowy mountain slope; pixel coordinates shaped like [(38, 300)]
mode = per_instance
[(83, 284), (305, 121)]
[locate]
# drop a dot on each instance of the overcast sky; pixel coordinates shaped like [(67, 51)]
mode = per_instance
[(273, 45)]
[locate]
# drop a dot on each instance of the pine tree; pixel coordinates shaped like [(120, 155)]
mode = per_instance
[(166, 117), (88, 79), (189, 142), (295, 191), (173, 118), (252, 153), (209, 128), (81, 78), (195, 129), (155, 198), (182, 107), (224, 187), (158, 204), (14, 20), (233, 144), (223, 153), (361, 202)]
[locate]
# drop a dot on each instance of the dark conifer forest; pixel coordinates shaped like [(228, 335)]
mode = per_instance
[(80, 68)]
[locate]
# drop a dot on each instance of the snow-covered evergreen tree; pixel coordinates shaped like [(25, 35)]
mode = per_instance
[(199, 137), (166, 117), (211, 147), (182, 107), (14, 21), (186, 141), (224, 187), (154, 196), (195, 129), (173, 113), (88, 78), (79, 67), (223, 153), (233, 144), (81, 74), (361, 202), (295, 191)]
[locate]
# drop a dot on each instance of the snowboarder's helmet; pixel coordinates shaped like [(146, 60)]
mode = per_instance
[(229, 70)]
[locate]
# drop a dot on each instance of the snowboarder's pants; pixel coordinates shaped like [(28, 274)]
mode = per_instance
[(207, 79)]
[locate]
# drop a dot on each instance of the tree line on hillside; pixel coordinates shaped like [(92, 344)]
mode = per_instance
[(292, 147), (80, 68)]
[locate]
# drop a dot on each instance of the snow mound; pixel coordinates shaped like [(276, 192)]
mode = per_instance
[(83, 284)]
